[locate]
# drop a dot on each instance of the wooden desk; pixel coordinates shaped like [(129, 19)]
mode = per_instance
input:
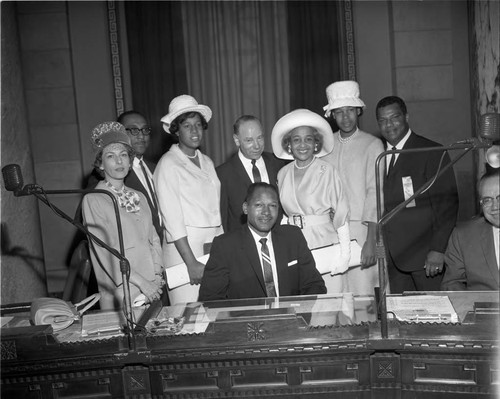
[(263, 348)]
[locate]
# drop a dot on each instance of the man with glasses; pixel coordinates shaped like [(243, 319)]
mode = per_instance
[(140, 177), (472, 256)]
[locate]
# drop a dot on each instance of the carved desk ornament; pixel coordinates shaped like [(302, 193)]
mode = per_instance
[(58, 313)]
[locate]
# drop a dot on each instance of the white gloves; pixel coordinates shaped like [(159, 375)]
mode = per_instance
[(345, 249)]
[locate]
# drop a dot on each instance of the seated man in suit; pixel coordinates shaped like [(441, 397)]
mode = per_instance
[(249, 165), (472, 256), (255, 261)]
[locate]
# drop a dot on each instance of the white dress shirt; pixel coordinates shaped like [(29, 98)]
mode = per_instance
[(496, 239), (247, 164), (136, 165), (138, 171), (399, 146), (269, 244)]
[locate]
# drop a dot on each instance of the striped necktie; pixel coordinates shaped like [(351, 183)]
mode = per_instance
[(150, 188), (268, 270)]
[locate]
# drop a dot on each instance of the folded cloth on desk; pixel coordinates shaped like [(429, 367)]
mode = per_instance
[(178, 275), (58, 313), (327, 258)]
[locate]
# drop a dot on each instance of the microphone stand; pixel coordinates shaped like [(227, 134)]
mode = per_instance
[(40, 193), (382, 220)]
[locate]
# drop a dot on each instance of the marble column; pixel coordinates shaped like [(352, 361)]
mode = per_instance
[(23, 269)]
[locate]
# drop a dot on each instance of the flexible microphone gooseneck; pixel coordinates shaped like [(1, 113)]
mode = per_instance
[(13, 181)]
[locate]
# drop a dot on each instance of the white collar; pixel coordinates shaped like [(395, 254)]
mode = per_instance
[(402, 142), (245, 161)]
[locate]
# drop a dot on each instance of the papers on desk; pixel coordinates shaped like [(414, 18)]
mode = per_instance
[(178, 275), (421, 309), (327, 258)]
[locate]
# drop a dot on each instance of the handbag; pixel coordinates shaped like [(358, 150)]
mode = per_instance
[(58, 313)]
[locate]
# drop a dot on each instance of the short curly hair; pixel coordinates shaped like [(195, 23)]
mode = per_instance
[(286, 141), (98, 159), (174, 126)]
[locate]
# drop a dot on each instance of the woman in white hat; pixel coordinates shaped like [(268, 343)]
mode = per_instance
[(310, 190), (353, 156), (188, 194), (113, 160)]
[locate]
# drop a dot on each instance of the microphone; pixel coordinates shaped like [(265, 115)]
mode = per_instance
[(489, 126), (13, 178), (13, 181)]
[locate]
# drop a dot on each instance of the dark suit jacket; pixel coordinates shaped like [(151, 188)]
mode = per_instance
[(414, 231), (234, 185), (470, 258), (234, 271), (132, 181)]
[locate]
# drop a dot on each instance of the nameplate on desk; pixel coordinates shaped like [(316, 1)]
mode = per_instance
[(255, 314), (103, 323), (421, 309)]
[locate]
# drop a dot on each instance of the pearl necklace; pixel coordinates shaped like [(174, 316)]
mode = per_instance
[(306, 166), (192, 156), (345, 141)]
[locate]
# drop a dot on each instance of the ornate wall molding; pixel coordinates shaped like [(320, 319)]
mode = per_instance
[(346, 33), (114, 45)]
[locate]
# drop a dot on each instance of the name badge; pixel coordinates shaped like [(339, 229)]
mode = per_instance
[(408, 190)]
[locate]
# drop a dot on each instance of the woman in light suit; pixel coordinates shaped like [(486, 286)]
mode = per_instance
[(189, 194), (114, 156), (310, 189)]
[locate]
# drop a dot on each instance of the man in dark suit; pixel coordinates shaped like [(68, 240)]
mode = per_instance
[(140, 177), (255, 261), (416, 237), (472, 256), (249, 165)]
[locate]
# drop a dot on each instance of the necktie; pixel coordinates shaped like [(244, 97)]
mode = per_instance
[(391, 164), (150, 187), (255, 172), (268, 271)]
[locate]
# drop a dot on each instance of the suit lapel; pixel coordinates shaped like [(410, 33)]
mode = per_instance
[(249, 248), (239, 169), (400, 164), (271, 172), (487, 243), (279, 246)]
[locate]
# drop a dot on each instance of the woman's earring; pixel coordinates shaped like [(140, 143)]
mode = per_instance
[(315, 148), (289, 149)]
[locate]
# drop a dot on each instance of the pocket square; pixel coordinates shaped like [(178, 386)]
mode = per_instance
[(293, 262)]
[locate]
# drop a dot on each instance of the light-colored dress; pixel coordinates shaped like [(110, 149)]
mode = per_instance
[(141, 243), (189, 200), (354, 160), (319, 193)]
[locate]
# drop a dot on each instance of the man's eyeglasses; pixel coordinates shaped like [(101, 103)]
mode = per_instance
[(488, 201), (146, 131)]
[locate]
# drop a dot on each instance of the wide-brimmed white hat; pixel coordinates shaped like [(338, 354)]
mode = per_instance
[(301, 117), (343, 94), (182, 104)]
